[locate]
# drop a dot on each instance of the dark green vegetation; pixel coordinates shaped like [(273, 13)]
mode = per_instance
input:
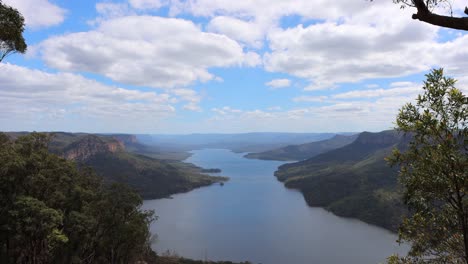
[(11, 31), (175, 260), (211, 170), (151, 177), (247, 142), (303, 151), (434, 173), (352, 181), (51, 211), (116, 158)]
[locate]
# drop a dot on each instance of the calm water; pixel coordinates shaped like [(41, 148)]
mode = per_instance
[(254, 217)]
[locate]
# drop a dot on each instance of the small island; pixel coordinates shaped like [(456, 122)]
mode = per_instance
[(211, 170)]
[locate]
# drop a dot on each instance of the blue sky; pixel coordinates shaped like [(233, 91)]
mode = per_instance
[(191, 66)]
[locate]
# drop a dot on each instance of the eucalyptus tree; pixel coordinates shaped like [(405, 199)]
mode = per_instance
[(434, 173)]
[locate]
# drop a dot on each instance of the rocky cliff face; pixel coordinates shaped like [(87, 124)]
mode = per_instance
[(91, 145)]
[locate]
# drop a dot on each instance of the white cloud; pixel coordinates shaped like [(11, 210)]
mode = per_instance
[(310, 98), (401, 84), (358, 110), (410, 91), (247, 32), (330, 53), (279, 83), (39, 99), (334, 117), (353, 40), (148, 4), (274, 108), (250, 21), (112, 10), (38, 13), (146, 51), (372, 86), (190, 96), (267, 10)]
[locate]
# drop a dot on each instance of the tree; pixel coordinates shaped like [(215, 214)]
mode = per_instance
[(52, 211), (434, 173), (11, 31), (425, 14)]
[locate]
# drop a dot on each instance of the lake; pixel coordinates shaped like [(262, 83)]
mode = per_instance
[(254, 217)]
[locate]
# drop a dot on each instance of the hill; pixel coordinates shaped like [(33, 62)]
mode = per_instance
[(117, 158), (303, 151), (352, 181), (244, 142)]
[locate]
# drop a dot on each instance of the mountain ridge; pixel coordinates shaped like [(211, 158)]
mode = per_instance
[(303, 151), (110, 157), (352, 181)]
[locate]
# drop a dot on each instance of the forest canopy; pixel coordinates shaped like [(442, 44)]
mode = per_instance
[(51, 211)]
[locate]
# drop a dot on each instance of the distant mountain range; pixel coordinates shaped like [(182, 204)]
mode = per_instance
[(304, 151), (118, 158), (352, 181), (246, 142)]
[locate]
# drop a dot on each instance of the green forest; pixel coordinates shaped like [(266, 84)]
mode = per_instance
[(78, 197)]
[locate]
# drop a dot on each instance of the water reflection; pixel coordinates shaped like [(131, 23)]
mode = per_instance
[(254, 217)]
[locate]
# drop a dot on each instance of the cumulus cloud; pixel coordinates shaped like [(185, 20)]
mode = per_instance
[(349, 41), (39, 95), (361, 46), (148, 4), (146, 51), (38, 13), (357, 110), (306, 98), (279, 83), (266, 10), (411, 91), (333, 117), (330, 53), (247, 32), (191, 97), (108, 10)]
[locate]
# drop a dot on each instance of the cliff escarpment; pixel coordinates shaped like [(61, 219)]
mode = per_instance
[(90, 145)]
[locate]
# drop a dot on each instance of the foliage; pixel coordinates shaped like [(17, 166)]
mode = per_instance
[(53, 212), (151, 177), (434, 173), (11, 31)]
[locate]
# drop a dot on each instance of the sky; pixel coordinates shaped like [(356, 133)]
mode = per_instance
[(221, 66)]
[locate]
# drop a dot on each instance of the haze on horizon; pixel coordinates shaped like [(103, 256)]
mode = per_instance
[(203, 66)]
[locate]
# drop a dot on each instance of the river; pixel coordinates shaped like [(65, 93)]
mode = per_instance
[(254, 217)]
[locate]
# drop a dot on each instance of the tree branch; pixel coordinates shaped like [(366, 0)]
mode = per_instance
[(425, 15)]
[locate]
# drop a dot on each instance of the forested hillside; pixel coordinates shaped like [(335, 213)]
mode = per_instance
[(109, 157), (352, 181), (303, 151), (51, 211)]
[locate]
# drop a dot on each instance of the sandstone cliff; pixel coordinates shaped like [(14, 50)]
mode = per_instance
[(90, 145)]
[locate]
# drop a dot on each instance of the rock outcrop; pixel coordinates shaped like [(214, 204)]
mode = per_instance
[(91, 145)]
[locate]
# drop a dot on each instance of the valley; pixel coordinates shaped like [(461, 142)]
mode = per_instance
[(254, 217)]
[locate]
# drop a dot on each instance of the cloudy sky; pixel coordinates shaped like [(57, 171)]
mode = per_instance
[(184, 66)]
